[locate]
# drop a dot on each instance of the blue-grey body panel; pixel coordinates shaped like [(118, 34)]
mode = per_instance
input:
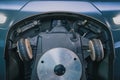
[(18, 10), (10, 9), (110, 10), (81, 7)]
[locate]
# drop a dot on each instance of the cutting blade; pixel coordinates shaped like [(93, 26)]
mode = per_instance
[(59, 64)]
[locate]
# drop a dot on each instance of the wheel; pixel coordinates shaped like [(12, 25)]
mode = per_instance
[(24, 50), (96, 48)]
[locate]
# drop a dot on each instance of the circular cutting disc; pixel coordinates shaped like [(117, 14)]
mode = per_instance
[(59, 64)]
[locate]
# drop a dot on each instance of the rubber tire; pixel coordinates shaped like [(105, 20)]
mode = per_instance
[(97, 52), (22, 50)]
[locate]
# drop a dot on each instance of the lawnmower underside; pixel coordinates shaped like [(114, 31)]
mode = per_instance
[(59, 46)]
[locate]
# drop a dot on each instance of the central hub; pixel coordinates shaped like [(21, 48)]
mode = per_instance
[(59, 70)]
